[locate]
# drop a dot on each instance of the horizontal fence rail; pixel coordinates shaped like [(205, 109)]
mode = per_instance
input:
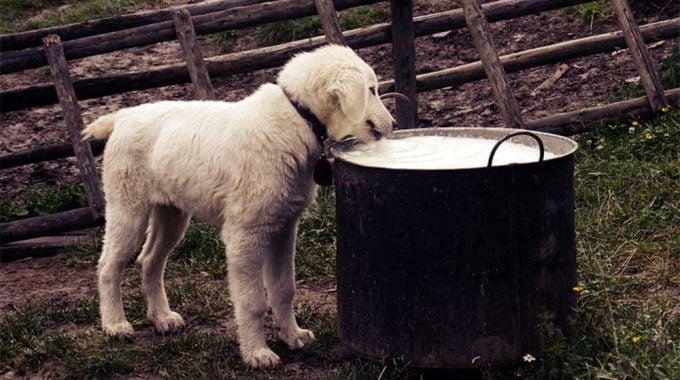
[(31, 38), (46, 153), (48, 224), (267, 57), (575, 122), (239, 17)]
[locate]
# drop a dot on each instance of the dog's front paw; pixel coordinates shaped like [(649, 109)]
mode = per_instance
[(261, 358), (167, 322), (297, 338), (121, 329)]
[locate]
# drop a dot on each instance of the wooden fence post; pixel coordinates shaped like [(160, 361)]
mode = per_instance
[(330, 22), (404, 59), (481, 36), (74, 123), (638, 50), (198, 72)]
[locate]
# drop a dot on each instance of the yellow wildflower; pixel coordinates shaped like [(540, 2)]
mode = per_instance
[(635, 123), (665, 109), (578, 288), (667, 134), (636, 339), (649, 136)]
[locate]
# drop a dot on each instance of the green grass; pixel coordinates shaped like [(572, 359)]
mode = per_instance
[(589, 12), (291, 30), (21, 15), (43, 200), (628, 245)]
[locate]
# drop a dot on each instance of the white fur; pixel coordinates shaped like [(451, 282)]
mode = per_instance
[(245, 167)]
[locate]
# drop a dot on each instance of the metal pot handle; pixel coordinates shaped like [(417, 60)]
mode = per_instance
[(508, 137), (398, 95)]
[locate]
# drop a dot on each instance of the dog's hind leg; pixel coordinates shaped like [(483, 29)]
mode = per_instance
[(279, 279), (167, 226), (124, 233), (246, 249)]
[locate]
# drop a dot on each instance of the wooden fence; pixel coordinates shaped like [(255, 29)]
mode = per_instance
[(19, 51)]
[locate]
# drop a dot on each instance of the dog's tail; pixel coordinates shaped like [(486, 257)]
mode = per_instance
[(100, 128)]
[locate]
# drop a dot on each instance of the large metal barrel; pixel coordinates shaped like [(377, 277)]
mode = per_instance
[(457, 268)]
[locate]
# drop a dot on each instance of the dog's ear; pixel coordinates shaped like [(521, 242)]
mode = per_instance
[(352, 92)]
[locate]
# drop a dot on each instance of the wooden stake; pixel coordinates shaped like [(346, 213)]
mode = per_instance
[(404, 59), (74, 123), (638, 50), (330, 22), (481, 36), (198, 72)]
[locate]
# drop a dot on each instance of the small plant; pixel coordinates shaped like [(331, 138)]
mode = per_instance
[(225, 41), (589, 12), (43, 200)]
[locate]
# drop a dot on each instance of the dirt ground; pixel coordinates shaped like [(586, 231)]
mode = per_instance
[(588, 81)]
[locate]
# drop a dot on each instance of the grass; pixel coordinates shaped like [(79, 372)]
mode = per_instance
[(589, 12), (627, 325), (21, 15), (42, 200)]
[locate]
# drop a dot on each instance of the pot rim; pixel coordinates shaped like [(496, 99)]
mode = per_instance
[(571, 146)]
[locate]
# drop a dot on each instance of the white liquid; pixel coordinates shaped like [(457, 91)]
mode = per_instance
[(440, 152)]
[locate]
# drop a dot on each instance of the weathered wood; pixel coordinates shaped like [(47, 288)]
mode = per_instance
[(186, 34), (575, 122), (561, 70), (48, 225), (23, 40), (481, 36), (239, 17), (638, 50), (46, 153), (329, 22), (544, 55), (40, 247), (404, 61), (74, 123), (43, 94)]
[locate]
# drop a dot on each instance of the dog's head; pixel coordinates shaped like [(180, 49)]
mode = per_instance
[(341, 90)]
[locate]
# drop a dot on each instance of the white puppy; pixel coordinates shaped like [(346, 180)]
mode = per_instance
[(245, 167)]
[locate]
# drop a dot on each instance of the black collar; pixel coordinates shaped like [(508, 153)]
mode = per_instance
[(323, 170), (317, 126)]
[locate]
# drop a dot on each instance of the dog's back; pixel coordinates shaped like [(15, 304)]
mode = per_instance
[(197, 155)]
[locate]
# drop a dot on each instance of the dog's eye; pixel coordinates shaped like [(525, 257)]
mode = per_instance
[(372, 90)]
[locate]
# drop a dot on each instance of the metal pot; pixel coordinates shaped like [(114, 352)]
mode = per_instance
[(457, 268)]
